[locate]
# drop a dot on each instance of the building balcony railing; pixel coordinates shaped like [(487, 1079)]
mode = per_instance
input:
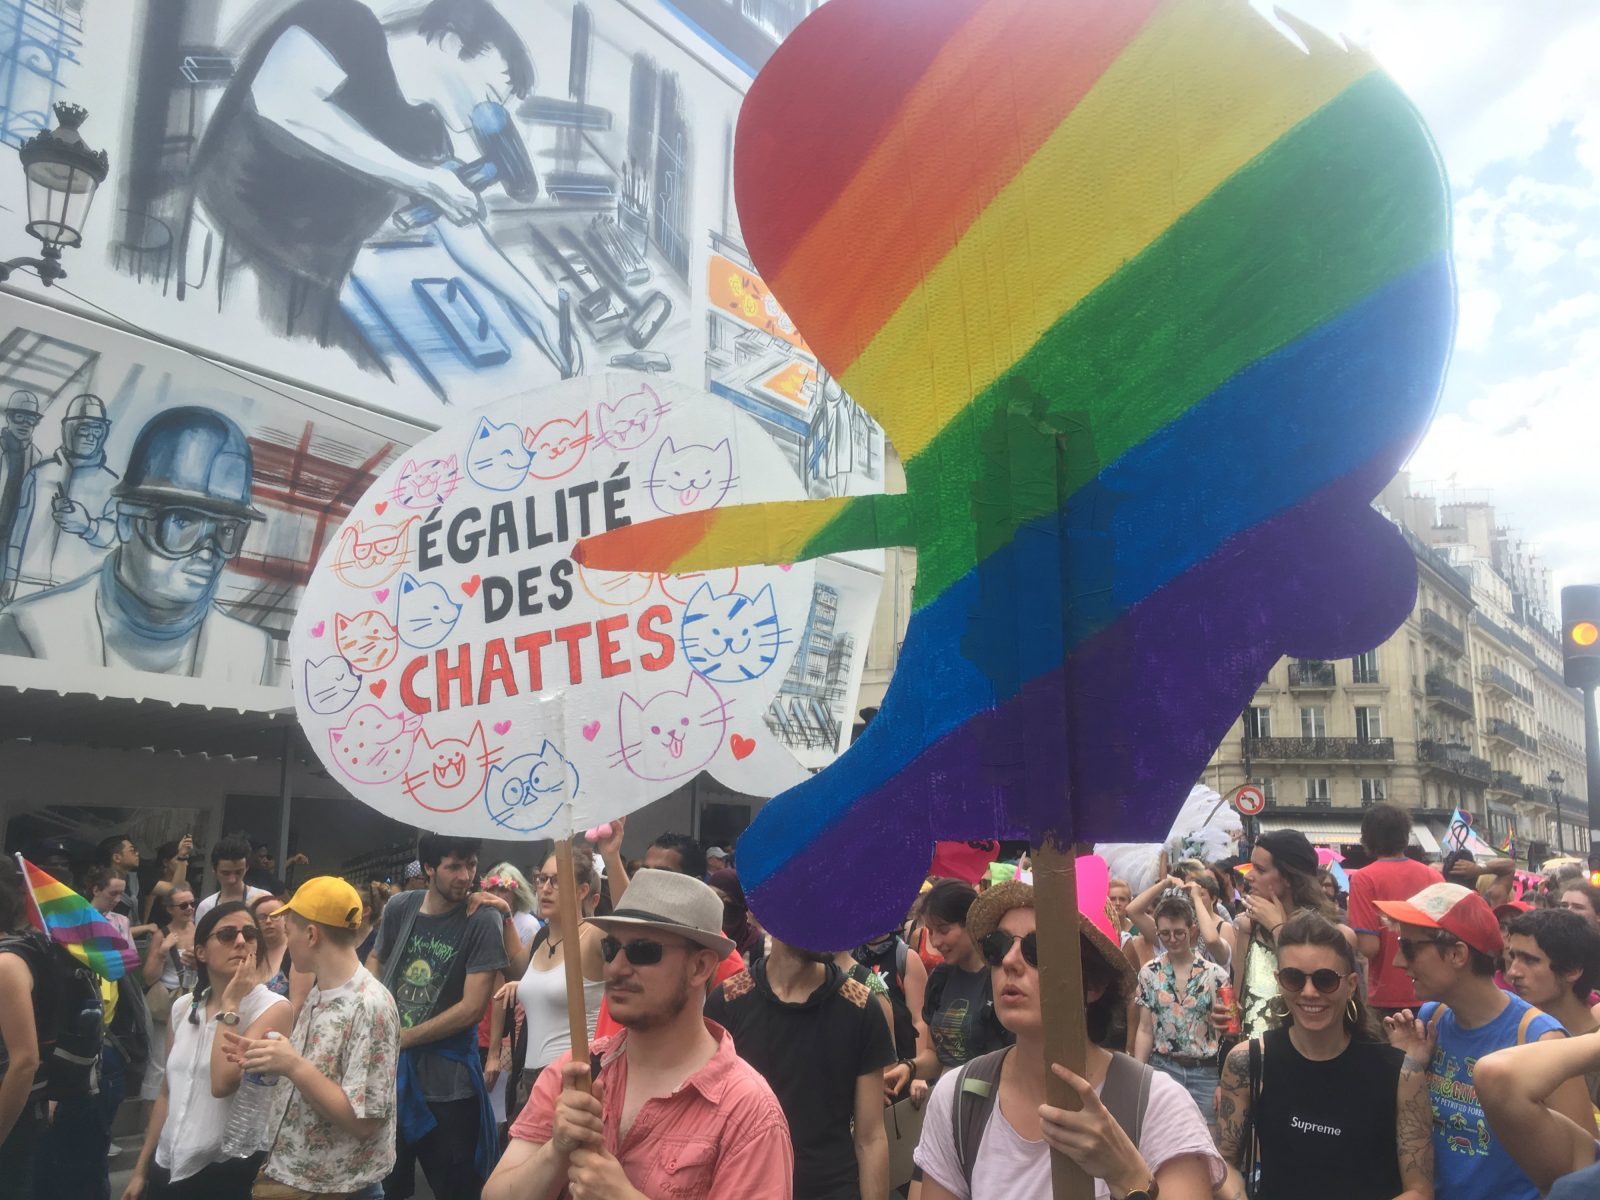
[(1306, 675), (1319, 749), (1451, 695), (1507, 732), (1536, 795), (1505, 635), (1507, 781), (1455, 758), (1438, 629), (1496, 678)]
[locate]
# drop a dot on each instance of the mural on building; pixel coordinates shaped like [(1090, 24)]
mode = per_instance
[(39, 45), (157, 515)]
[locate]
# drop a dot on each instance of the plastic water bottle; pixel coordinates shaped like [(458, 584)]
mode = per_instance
[(247, 1119)]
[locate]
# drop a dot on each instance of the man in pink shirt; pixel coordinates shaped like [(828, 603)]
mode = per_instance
[(1385, 834), (675, 1112)]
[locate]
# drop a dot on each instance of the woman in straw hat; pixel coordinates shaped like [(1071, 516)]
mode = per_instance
[(1138, 1131)]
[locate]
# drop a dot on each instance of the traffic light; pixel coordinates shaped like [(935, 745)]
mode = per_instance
[(1580, 635)]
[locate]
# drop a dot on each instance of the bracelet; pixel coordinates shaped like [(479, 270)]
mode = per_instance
[(910, 1063)]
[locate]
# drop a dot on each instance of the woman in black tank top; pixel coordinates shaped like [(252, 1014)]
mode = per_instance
[(1327, 1110)]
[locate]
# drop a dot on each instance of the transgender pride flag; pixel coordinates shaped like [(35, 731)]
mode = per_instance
[(75, 923)]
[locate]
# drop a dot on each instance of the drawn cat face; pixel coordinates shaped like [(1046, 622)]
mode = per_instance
[(374, 746), (426, 483), (369, 555), (450, 772), (731, 638), (526, 794), (632, 421), (692, 479), (496, 457), (617, 588), (558, 446), (367, 640), (330, 684), (673, 733), (424, 612)]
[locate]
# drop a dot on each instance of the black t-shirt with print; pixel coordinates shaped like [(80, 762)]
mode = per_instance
[(958, 1008), (811, 1054)]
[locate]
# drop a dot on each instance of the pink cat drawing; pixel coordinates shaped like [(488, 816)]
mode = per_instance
[(426, 483), (672, 733), (632, 421), (374, 746)]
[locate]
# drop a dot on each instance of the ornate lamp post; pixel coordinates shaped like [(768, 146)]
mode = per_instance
[(63, 174)]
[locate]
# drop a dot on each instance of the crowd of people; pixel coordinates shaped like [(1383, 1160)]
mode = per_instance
[(1261, 1027)]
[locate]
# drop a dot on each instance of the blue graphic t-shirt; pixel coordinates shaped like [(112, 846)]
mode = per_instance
[(1469, 1163)]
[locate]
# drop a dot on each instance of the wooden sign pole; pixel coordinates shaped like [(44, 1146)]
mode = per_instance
[(1066, 1037), (572, 951)]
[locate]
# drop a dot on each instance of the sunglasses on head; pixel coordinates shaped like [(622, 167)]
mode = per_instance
[(1293, 980), (1408, 946), (995, 946), (641, 953), (233, 933)]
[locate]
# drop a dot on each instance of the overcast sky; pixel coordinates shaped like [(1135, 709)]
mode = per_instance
[(1511, 89)]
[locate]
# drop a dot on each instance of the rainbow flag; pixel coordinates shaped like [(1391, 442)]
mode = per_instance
[(1151, 298), (75, 923)]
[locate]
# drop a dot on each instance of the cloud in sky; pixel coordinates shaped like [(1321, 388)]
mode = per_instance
[(1512, 94)]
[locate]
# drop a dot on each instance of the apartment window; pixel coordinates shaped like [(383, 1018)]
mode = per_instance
[(1269, 790), (1373, 790), (1258, 721), (1364, 667), (1317, 793), (1314, 722), (1369, 722)]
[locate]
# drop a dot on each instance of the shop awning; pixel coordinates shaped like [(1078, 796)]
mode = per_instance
[(111, 722), (1339, 831)]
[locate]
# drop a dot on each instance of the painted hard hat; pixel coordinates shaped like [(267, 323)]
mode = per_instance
[(24, 401), (191, 458), (86, 407)]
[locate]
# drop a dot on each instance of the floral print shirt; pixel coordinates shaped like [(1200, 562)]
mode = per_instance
[(351, 1034), (1182, 1021)]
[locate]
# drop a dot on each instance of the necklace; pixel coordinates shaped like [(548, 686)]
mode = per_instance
[(550, 948)]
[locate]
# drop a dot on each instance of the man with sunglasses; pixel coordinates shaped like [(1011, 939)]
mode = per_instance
[(1449, 943), (181, 515), (1175, 992), (675, 1112)]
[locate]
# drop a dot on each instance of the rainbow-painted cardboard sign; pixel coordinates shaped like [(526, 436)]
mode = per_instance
[(1151, 298)]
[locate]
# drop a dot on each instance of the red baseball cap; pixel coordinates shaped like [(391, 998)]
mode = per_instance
[(1511, 908), (1456, 910)]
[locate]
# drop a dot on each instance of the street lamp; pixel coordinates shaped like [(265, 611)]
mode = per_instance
[(62, 174), (1555, 779)]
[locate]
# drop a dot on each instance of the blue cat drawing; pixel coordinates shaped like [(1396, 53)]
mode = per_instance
[(731, 638), (331, 683), (496, 457), (691, 478), (424, 612), (525, 795)]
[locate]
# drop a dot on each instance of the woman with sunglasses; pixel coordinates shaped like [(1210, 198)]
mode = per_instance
[(1006, 1151), (182, 1155), (167, 972), (510, 885), (542, 991), (1321, 1107)]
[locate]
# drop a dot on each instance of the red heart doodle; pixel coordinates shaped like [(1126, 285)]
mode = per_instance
[(379, 688), (743, 747), (500, 727), (316, 630), (591, 731), (382, 594), (470, 587), (380, 506)]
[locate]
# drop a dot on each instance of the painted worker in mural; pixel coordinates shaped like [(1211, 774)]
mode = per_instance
[(182, 511), (18, 455), (335, 119), (66, 518)]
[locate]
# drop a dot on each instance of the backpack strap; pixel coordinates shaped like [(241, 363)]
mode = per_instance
[(391, 968), (1126, 1093), (901, 953), (937, 978), (977, 1092)]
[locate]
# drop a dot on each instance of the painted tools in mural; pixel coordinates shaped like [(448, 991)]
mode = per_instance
[(456, 669), (1152, 299)]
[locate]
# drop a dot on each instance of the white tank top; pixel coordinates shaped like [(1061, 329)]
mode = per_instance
[(543, 996)]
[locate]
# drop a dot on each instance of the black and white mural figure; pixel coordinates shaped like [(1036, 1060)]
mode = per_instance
[(179, 514), (333, 121), (18, 456), (66, 517)]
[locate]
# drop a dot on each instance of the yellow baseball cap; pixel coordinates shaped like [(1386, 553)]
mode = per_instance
[(327, 900)]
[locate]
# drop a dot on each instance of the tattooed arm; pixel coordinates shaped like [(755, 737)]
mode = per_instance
[(1233, 1117), (1413, 1133)]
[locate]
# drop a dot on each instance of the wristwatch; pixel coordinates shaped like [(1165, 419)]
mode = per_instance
[(1149, 1192), (232, 1018)]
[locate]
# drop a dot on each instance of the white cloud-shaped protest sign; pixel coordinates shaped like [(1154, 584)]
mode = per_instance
[(456, 669)]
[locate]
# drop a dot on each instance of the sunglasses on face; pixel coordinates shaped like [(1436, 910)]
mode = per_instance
[(642, 953), (1408, 946), (1293, 980), (187, 904), (995, 946), (540, 881), (233, 933)]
